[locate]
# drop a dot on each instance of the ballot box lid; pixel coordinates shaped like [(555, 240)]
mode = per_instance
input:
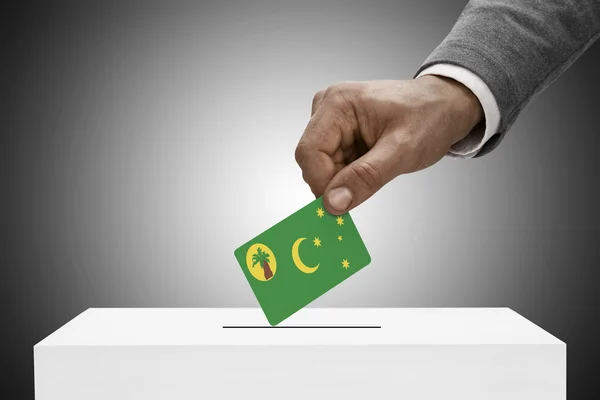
[(309, 326)]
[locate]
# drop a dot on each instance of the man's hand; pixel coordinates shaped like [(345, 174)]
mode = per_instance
[(364, 134)]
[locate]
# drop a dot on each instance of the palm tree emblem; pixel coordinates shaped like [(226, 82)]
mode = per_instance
[(262, 258)]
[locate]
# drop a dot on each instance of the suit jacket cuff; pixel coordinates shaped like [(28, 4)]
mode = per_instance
[(472, 144)]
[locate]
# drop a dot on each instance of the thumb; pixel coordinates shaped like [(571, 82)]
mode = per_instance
[(359, 180)]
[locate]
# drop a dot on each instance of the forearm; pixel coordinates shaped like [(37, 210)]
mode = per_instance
[(518, 47)]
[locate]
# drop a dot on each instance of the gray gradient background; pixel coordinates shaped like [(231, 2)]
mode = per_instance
[(142, 143)]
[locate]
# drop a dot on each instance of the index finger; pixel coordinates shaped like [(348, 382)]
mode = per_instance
[(318, 152)]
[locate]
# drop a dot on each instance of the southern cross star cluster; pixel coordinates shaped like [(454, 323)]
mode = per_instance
[(339, 221)]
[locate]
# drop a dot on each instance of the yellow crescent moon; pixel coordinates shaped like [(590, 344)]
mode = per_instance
[(298, 262)]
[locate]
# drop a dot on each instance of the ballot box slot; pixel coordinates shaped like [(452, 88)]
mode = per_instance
[(302, 327)]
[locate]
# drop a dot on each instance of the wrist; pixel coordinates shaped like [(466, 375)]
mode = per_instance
[(463, 105)]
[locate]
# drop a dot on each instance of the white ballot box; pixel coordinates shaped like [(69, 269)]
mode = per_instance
[(344, 353)]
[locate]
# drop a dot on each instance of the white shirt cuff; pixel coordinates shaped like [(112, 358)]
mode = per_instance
[(470, 145)]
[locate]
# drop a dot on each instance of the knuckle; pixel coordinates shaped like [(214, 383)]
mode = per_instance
[(305, 177), (333, 90), (343, 95), (336, 89), (317, 97), (338, 99), (300, 153), (369, 175)]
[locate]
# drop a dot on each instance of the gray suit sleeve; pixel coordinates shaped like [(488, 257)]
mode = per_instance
[(518, 48)]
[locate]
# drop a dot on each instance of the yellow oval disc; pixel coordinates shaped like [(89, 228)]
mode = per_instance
[(261, 262)]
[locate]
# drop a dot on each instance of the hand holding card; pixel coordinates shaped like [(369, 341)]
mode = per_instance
[(301, 258)]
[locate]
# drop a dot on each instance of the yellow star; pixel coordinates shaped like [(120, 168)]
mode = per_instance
[(340, 238), (340, 221), (317, 242), (345, 264), (320, 212)]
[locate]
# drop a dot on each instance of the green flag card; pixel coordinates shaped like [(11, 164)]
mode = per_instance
[(301, 258)]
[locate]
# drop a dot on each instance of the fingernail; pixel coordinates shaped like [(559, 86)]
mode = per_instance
[(340, 198)]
